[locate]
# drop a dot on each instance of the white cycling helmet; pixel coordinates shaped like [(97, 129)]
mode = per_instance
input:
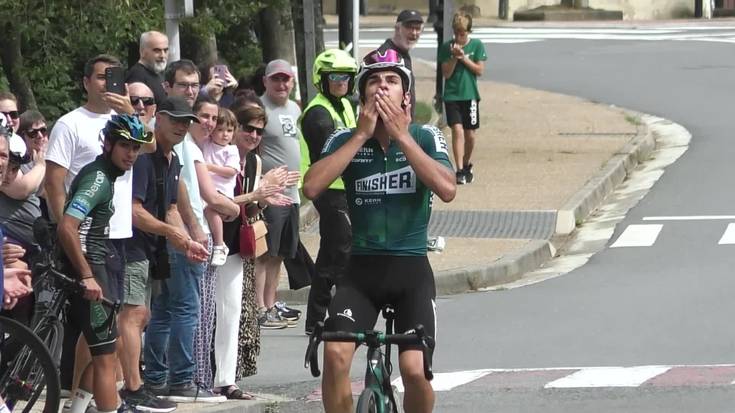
[(377, 61)]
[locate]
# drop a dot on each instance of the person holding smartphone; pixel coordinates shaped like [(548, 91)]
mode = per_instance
[(219, 84), (73, 143)]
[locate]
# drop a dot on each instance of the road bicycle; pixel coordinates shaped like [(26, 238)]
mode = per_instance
[(379, 396), (29, 373)]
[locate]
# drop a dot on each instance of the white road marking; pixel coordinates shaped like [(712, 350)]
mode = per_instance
[(729, 236), (638, 236), (608, 377), (448, 381), (692, 218), (524, 35)]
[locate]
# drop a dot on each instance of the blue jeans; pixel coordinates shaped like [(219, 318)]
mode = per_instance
[(169, 338)]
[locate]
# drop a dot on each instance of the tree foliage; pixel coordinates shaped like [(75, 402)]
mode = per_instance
[(57, 37)]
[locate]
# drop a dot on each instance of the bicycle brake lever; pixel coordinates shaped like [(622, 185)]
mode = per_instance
[(311, 360), (427, 344)]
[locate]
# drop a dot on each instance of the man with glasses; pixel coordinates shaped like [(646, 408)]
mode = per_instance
[(153, 59), (408, 28), (174, 317), (141, 97), (182, 79)]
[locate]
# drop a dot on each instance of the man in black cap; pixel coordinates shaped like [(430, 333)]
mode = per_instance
[(409, 26)]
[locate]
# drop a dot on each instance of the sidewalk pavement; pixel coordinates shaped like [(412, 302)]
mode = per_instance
[(542, 163)]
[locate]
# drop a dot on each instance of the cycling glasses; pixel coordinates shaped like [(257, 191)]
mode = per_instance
[(13, 114), (339, 77), (250, 129), (389, 57), (147, 101)]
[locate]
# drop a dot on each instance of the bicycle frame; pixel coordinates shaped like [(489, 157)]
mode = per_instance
[(377, 379), (379, 367)]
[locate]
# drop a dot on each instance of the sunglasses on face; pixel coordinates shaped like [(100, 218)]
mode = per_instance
[(251, 129), (338, 77), (147, 101), (13, 114), (39, 131)]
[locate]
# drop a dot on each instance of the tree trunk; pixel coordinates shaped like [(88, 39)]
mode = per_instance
[(12, 61), (276, 34), (300, 39)]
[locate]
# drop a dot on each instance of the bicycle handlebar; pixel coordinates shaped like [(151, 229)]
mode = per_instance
[(370, 338), (75, 286)]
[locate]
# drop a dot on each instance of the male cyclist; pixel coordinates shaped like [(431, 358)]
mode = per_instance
[(84, 235), (390, 170)]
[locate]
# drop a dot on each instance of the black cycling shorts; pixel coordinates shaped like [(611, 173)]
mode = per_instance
[(374, 281), (97, 321), (466, 112)]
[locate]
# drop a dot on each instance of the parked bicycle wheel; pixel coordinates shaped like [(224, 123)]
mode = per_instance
[(367, 403), (26, 370)]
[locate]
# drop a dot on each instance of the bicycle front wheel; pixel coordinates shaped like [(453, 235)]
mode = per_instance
[(367, 403), (26, 370)]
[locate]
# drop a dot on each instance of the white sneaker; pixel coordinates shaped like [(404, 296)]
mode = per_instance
[(219, 255)]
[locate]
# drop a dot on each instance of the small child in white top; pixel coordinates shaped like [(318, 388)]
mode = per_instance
[(223, 163)]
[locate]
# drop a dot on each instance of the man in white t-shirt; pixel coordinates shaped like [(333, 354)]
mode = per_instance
[(75, 141)]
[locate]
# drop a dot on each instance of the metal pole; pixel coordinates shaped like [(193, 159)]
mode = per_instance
[(345, 25), (356, 29), (171, 16), (448, 14), (438, 19), (309, 47)]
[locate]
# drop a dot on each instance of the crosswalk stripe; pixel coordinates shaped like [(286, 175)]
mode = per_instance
[(722, 34), (570, 378), (638, 236), (608, 377), (448, 381), (691, 218), (729, 236)]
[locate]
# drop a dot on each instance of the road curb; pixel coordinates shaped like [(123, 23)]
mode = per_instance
[(263, 403), (587, 199), (508, 268)]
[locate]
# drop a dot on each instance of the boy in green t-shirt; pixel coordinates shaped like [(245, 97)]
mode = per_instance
[(462, 60)]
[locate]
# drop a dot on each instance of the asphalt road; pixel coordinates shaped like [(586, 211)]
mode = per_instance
[(670, 303)]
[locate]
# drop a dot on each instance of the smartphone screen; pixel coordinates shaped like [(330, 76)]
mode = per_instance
[(219, 71), (115, 80)]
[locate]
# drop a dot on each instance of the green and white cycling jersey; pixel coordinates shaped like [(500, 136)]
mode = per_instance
[(389, 207), (90, 201)]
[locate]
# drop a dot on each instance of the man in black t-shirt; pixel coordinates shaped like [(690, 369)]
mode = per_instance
[(409, 26), (152, 63)]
